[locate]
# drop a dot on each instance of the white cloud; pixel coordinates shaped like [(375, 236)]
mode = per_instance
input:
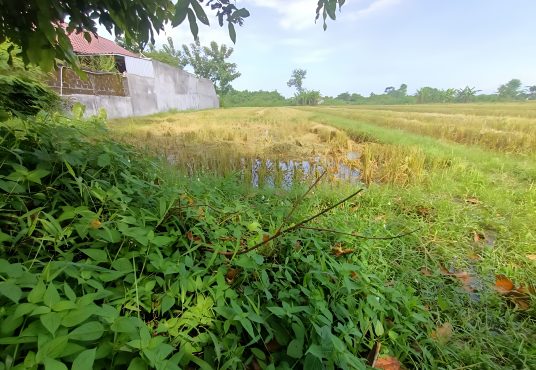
[(313, 56), (293, 14), (375, 7)]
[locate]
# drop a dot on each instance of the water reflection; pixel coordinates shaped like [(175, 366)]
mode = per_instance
[(280, 173)]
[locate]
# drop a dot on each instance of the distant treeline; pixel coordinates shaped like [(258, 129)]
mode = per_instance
[(511, 91)]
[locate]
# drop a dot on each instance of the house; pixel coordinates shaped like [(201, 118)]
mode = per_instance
[(138, 86)]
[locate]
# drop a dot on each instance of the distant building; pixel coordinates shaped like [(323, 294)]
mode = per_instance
[(139, 86)]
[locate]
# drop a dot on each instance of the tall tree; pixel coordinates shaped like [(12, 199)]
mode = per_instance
[(168, 54), (296, 79), (467, 94), (211, 62), (510, 90), (36, 25)]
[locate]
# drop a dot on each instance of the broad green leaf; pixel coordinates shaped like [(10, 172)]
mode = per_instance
[(137, 364), (232, 32), (64, 306), (104, 160), (295, 348), (87, 332), (312, 363), (10, 290), (95, 254), (258, 353), (69, 293), (37, 293), (51, 321), (51, 364), (12, 270), (200, 13), (52, 349), (378, 328), (167, 303), (84, 361), (194, 28), (181, 9), (77, 316), (51, 295)]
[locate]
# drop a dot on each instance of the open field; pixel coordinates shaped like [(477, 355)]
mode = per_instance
[(464, 176)]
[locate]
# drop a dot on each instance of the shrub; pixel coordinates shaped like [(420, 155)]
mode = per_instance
[(22, 97), (105, 263)]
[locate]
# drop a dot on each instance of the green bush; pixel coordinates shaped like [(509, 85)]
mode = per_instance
[(24, 97), (107, 263)]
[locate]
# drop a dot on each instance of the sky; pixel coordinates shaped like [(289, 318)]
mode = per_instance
[(378, 43)]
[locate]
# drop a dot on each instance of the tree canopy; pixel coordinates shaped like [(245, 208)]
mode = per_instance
[(37, 26)]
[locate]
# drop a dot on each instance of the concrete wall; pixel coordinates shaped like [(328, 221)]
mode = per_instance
[(116, 106), (170, 88)]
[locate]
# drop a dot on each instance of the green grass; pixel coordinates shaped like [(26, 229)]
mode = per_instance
[(452, 192), (115, 258)]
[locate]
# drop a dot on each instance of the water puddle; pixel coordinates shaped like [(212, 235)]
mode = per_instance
[(270, 172)]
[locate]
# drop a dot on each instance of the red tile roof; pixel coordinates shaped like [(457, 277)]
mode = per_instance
[(97, 46)]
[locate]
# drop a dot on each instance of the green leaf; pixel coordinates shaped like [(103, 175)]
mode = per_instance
[(95, 254), (181, 9), (64, 306), (36, 175), (11, 291), (194, 28), (84, 361), (37, 293), (167, 303), (200, 13), (51, 296), (12, 270), (51, 364), (312, 363), (104, 160), (331, 7), (295, 348), (137, 364), (258, 353), (87, 332), (78, 316), (51, 321), (378, 328), (52, 349), (232, 32), (69, 293)]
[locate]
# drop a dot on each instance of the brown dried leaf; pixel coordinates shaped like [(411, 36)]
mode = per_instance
[(191, 237), (472, 201), (477, 237), (387, 363), (443, 333), (231, 275), (531, 257), (265, 238), (521, 300), (338, 251), (503, 284), (467, 279)]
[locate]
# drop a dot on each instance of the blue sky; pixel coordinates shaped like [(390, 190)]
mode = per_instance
[(379, 43)]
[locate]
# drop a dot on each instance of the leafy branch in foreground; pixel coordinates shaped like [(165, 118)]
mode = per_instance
[(37, 26)]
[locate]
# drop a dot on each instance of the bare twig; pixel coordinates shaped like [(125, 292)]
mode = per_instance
[(360, 236), (288, 229), (299, 200)]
